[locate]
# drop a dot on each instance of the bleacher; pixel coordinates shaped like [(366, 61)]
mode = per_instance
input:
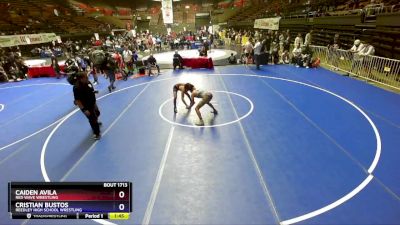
[(381, 29), (86, 22), (382, 33), (191, 18), (178, 17), (34, 16), (6, 26), (154, 21)]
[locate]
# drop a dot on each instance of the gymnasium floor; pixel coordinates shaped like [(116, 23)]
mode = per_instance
[(289, 145)]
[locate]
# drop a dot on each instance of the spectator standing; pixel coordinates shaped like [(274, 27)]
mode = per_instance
[(267, 46), (357, 47), (127, 57), (286, 44), (281, 42), (367, 50), (55, 66), (111, 66), (248, 50), (365, 54), (108, 42), (308, 38), (275, 52), (257, 53), (158, 44), (333, 52), (298, 40)]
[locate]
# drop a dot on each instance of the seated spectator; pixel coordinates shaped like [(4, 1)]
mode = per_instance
[(243, 58), (108, 42), (232, 59), (36, 52), (135, 56), (177, 60), (3, 74), (206, 46), (296, 59), (286, 57), (127, 56), (203, 52), (176, 43), (48, 51), (16, 73), (118, 60), (152, 62), (158, 44), (306, 56)]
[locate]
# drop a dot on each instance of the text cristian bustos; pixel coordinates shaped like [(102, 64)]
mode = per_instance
[(41, 204)]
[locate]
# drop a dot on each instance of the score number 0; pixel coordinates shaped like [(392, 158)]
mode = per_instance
[(121, 206)]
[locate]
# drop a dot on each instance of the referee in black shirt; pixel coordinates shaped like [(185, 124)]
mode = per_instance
[(85, 99)]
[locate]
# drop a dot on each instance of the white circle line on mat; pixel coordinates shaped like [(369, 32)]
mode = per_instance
[(209, 126)]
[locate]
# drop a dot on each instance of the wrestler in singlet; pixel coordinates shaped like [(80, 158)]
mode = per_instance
[(205, 99), (179, 87)]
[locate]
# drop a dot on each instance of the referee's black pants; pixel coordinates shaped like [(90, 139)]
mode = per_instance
[(257, 59), (93, 119)]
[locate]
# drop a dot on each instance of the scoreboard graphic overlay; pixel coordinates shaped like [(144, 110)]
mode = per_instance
[(70, 200)]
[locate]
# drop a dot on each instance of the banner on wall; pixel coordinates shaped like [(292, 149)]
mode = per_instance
[(26, 39), (167, 11), (59, 39), (267, 23)]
